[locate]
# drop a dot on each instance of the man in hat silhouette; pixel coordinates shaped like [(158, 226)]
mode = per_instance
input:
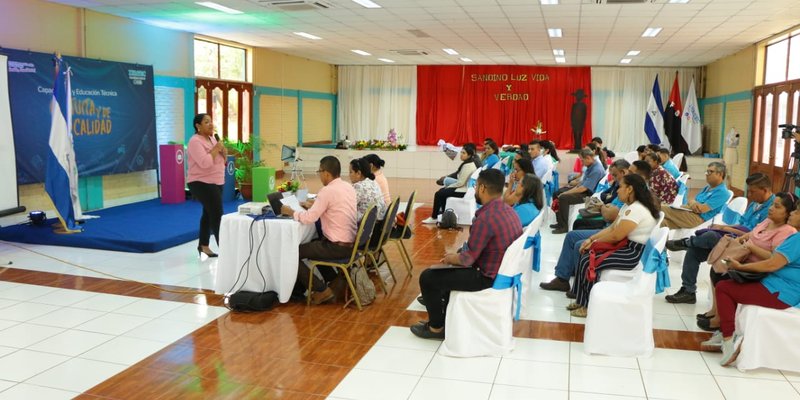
[(578, 119)]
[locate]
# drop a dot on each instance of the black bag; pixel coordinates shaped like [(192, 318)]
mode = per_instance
[(745, 276), (449, 219), (251, 301)]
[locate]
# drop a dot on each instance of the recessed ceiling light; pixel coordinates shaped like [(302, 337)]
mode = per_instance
[(307, 35), (561, 60), (361, 52), (678, 1), (451, 52), (558, 52), (625, 61), (634, 53), (548, 2), (386, 60), (218, 7), (554, 32), (651, 32), (465, 59), (367, 3)]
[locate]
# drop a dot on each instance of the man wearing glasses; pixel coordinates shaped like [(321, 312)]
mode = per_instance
[(708, 203)]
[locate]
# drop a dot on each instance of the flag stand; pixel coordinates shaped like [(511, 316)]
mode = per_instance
[(60, 228)]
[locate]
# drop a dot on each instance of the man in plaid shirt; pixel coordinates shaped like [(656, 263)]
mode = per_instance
[(495, 227)]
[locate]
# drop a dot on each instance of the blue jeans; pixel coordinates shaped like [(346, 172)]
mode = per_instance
[(568, 260), (699, 248)]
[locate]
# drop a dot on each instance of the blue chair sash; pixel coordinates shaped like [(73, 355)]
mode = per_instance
[(655, 262), (682, 189), (730, 217), (504, 282), (536, 242)]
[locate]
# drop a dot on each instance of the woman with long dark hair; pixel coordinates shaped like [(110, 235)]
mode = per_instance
[(376, 166), (528, 198), (367, 191), (458, 187), (629, 232), (206, 175)]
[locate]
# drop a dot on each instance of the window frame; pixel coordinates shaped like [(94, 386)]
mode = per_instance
[(788, 39)]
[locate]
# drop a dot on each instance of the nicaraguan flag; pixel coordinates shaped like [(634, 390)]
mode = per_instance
[(690, 121), (654, 120), (61, 179)]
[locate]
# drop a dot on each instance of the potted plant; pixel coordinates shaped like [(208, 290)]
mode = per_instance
[(244, 163)]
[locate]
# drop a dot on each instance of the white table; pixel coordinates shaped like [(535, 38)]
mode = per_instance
[(276, 257)]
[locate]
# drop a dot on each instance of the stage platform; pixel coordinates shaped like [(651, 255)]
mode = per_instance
[(143, 227)]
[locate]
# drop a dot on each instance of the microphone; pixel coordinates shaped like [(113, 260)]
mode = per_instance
[(216, 136)]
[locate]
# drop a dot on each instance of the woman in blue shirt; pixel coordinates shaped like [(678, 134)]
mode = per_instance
[(780, 289), (490, 154), (527, 198)]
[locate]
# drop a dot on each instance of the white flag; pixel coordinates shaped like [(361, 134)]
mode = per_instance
[(691, 126)]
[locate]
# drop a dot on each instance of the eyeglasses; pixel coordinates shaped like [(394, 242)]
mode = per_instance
[(319, 171), (709, 172)]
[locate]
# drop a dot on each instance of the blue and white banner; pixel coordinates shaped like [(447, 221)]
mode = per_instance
[(691, 126), (61, 179), (9, 199), (654, 119), (113, 114)]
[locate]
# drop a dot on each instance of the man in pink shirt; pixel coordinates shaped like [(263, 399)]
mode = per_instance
[(335, 208)]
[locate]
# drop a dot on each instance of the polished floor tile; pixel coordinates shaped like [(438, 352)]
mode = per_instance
[(442, 389), (24, 391)]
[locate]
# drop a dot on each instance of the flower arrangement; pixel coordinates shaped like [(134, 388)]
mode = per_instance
[(538, 130), (289, 186), (375, 144)]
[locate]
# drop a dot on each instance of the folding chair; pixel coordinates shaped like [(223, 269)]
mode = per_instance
[(363, 234), (401, 247), (374, 253)]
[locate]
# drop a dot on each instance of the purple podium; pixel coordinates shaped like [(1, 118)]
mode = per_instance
[(173, 182)]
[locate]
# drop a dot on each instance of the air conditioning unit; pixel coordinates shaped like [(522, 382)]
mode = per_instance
[(297, 5), (409, 52)]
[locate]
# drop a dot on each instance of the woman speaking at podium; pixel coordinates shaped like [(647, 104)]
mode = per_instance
[(206, 157)]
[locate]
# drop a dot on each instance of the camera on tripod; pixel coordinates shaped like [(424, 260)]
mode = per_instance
[(788, 130)]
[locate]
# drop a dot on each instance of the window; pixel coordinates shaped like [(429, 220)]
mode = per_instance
[(221, 88), (782, 61)]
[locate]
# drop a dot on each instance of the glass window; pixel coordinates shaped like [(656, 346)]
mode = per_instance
[(206, 59), (232, 63), (767, 129), (233, 114), (246, 116), (202, 94), (216, 109), (794, 58), (783, 105), (777, 54)]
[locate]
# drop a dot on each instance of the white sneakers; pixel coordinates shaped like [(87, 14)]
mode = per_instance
[(730, 350), (429, 221), (715, 342)]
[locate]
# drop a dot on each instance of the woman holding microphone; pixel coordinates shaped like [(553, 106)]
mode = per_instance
[(206, 157)]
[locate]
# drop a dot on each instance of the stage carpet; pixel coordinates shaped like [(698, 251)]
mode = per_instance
[(144, 227)]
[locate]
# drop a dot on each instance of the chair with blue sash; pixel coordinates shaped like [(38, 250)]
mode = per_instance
[(619, 275), (481, 323), (675, 234), (465, 207), (732, 213), (620, 319), (683, 190)]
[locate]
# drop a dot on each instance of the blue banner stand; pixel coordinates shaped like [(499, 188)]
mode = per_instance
[(229, 189)]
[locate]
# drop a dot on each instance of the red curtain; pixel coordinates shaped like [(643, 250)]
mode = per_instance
[(463, 104)]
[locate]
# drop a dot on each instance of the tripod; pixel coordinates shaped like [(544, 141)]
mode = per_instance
[(790, 180), (297, 173)]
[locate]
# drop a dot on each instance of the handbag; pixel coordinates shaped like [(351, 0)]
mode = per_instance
[(746, 276), (727, 248), (598, 252)]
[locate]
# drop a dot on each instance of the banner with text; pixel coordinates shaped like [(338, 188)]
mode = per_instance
[(510, 104), (113, 114)]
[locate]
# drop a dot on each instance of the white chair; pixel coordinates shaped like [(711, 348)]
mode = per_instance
[(680, 233), (465, 207), (619, 275), (631, 156), (528, 283), (770, 338), (677, 159), (620, 319), (732, 212), (683, 189), (574, 211), (481, 323)]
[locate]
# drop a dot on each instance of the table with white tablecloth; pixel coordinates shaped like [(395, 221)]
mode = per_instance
[(273, 254)]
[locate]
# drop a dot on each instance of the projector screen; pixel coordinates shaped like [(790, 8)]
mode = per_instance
[(8, 165)]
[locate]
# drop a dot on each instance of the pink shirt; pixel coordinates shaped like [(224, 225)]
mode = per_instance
[(202, 167), (384, 185), (769, 240), (335, 207)]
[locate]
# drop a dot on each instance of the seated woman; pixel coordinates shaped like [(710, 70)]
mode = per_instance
[(526, 197), (635, 222), (490, 154), (661, 182), (376, 165), (521, 167), (367, 190), (469, 163), (762, 241), (780, 289)]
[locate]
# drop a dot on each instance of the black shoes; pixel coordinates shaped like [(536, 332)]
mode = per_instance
[(705, 324), (421, 300), (682, 297), (560, 230), (423, 330), (557, 284), (678, 245), (554, 226), (209, 253)]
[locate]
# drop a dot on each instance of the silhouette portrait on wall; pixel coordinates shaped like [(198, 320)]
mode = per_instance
[(578, 119)]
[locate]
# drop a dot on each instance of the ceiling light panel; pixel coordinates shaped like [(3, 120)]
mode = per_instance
[(554, 32), (218, 7), (558, 52), (361, 52), (367, 3), (451, 52), (307, 35), (633, 53), (651, 32), (386, 60)]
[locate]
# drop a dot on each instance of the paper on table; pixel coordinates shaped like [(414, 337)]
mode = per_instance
[(679, 208), (292, 202)]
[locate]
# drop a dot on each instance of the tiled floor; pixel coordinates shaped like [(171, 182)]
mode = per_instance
[(65, 331)]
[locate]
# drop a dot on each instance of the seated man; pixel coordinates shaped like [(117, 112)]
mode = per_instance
[(708, 203), (335, 208), (617, 169), (594, 173), (759, 192), (666, 162), (495, 227), (541, 163)]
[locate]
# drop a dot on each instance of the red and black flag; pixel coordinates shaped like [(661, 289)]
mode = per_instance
[(672, 122)]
